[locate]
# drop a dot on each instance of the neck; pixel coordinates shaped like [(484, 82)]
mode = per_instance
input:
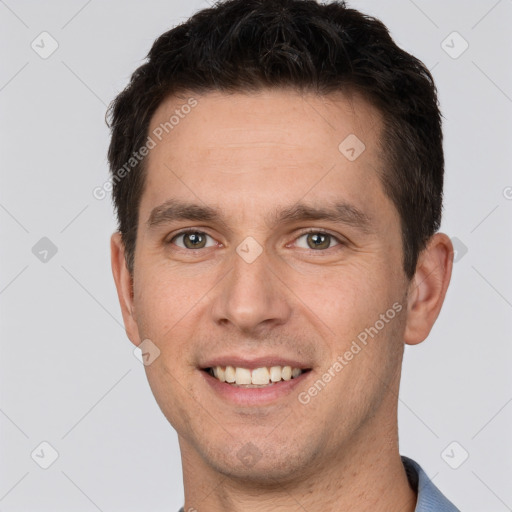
[(366, 474)]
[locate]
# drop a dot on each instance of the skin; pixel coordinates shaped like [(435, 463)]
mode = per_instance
[(248, 155)]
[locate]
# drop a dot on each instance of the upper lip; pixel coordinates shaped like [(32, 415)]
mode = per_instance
[(251, 364)]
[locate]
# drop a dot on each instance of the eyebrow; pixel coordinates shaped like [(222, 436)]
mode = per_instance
[(339, 212)]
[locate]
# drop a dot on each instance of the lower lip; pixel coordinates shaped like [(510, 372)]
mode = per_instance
[(254, 396)]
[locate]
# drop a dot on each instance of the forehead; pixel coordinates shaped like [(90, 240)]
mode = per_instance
[(264, 117), (259, 150)]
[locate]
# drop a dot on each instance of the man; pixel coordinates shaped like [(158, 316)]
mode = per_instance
[(278, 174)]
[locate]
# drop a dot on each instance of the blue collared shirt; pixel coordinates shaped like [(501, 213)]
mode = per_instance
[(430, 498)]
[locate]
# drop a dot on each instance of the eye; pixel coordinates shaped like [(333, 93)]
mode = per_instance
[(318, 240), (192, 239)]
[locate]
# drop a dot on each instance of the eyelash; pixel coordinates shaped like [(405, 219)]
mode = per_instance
[(311, 230)]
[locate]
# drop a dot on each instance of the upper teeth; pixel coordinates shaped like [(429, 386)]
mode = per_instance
[(258, 376)]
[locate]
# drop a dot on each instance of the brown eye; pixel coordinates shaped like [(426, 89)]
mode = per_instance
[(191, 240), (317, 240)]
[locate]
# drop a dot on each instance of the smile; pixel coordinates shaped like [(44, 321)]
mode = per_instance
[(255, 378)]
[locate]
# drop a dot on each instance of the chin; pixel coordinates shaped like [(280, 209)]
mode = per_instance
[(263, 463)]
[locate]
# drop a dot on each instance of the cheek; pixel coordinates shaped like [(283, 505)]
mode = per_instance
[(167, 306), (164, 298), (345, 300)]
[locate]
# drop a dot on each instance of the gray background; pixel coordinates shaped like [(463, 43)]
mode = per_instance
[(68, 373)]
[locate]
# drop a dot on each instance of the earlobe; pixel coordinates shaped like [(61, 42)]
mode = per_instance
[(428, 288), (124, 285)]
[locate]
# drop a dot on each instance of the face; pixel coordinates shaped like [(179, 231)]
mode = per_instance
[(293, 257)]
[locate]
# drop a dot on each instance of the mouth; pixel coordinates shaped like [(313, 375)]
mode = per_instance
[(263, 377)]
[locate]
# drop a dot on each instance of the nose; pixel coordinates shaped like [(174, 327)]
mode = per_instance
[(251, 298)]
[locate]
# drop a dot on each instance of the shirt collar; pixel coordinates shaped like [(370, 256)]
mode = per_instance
[(429, 496)]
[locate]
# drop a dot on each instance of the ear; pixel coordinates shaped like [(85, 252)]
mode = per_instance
[(124, 285), (428, 288)]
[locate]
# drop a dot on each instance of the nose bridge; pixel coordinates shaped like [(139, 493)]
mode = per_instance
[(251, 295)]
